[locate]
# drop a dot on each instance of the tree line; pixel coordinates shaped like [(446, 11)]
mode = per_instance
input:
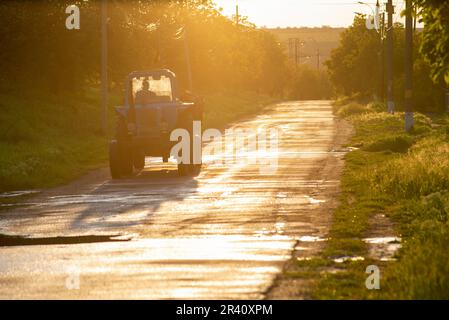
[(357, 66), (41, 55)]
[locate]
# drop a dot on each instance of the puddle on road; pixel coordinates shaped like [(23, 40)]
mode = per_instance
[(382, 240), (347, 258), (15, 240), (279, 226), (281, 195), (15, 198), (380, 248), (313, 200), (311, 239), (278, 229), (14, 194), (304, 258), (344, 150), (13, 205), (383, 248)]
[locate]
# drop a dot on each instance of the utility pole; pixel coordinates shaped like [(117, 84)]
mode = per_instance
[(415, 17), (290, 48), (237, 14), (298, 45), (104, 64), (296, 52), (295, 44), (378, 20), (390, 98), (408, 83), (382, 58), (318, 59)]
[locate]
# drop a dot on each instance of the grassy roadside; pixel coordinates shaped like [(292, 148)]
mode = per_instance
[(404, 176), (45, 141), (48, 141)]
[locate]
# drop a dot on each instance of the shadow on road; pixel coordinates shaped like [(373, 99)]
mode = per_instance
[(130, 201)]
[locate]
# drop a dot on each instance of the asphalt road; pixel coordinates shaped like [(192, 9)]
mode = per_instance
[(226, 233)]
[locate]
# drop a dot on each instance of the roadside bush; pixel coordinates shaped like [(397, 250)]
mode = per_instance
[(424, 170), (400, 143), (434, 207), (377, 106), (352, 108)]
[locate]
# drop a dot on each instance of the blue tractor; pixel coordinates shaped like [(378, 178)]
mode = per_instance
[(153, 109)]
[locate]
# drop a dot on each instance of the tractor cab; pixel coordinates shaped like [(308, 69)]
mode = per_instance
[(152, 110)]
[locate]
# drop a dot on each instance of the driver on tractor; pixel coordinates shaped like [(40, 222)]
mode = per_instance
[(145, 95)]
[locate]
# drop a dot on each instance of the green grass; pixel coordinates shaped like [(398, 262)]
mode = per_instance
[(46, 141), (352, 108), (402, 175)]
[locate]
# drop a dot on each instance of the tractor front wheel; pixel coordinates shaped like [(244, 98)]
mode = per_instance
[(196, 169)]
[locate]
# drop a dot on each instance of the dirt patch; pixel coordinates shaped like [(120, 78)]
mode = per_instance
[(382, 240)]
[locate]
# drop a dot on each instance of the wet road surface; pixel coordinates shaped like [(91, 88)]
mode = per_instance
[(223, 234)]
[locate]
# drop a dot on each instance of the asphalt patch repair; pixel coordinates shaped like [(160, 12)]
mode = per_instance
[(15, 240)]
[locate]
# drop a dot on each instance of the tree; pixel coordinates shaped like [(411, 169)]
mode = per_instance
[(435, 42), (41, 53), (354, 66)]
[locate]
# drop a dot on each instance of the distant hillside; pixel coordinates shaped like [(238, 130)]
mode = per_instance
[(323, 39)]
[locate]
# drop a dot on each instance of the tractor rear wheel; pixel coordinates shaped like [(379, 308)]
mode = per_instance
[(189, 169), (138, 160), (183, 169), (196, 169), (114, 160), (126, 160)]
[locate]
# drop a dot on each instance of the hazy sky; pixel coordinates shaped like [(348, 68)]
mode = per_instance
[(295, 13)]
